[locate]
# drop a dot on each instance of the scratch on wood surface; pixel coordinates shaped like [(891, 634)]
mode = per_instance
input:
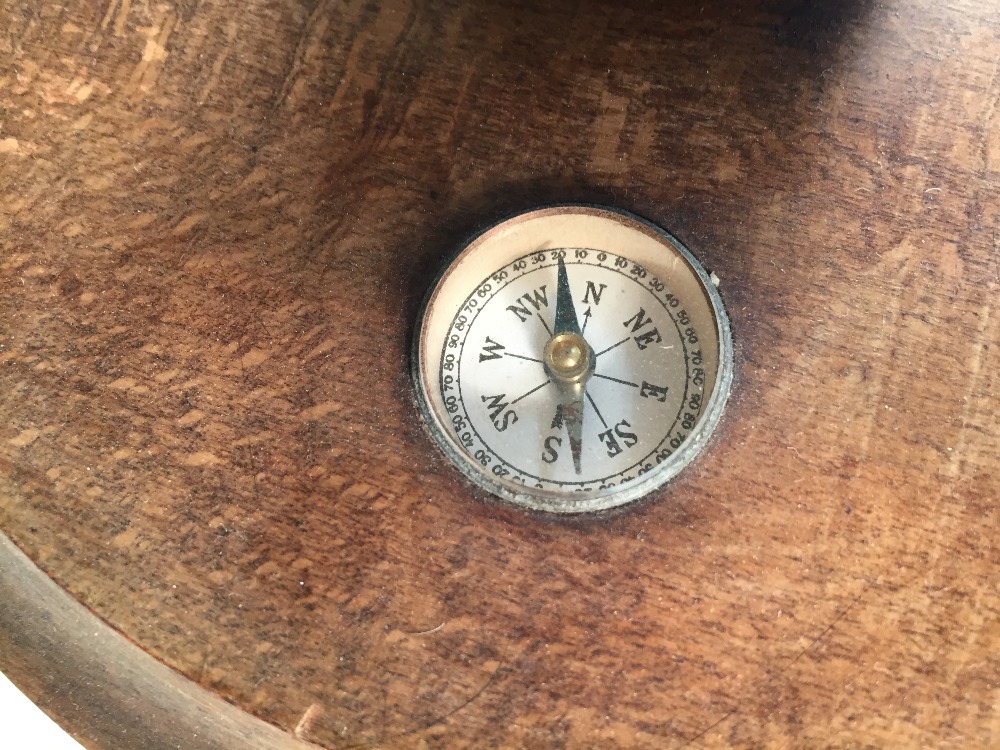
[(784, 669), (122, 16), (614, 111), (990, 148), (895, 263), (318, 411), (201, 458), (306, 722), (391, 24), (25, 437), (975, 387), (494, 676), (119, 18), (428, 632), (461, 99), (220, 60), (706, 730), (144, 75), (312, 32), (108, 14)]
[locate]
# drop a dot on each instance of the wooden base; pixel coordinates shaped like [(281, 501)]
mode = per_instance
[(217, 221)]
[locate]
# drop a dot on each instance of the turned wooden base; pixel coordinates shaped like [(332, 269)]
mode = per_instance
[(217, 221)]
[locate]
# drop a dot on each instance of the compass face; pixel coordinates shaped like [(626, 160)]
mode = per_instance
[(572, 359)]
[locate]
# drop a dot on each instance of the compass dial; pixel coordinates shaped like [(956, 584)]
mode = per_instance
[(572, 359)]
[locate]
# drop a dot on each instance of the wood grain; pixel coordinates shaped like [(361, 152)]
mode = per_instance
[(217, 221), (110, 692)]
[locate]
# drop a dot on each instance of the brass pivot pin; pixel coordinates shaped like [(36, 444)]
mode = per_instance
[(568, 357)]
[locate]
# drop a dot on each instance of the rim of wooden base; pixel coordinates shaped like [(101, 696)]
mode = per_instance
[(102, 688)]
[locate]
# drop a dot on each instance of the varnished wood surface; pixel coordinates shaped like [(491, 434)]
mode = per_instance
[(217, 220), (105, 688)]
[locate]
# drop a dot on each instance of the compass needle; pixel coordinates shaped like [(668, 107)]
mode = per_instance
[(602, 439), (574, 424), (569, 360), (566, 321)]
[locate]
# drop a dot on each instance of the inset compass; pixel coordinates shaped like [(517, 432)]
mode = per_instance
[(572, 359)]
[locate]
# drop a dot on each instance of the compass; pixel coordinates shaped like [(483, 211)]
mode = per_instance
[(572, 359)]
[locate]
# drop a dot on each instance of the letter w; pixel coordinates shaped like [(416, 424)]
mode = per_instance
[(490, 349)]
